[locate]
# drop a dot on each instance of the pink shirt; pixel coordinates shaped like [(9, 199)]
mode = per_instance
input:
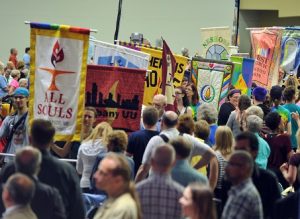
[(14, 83)]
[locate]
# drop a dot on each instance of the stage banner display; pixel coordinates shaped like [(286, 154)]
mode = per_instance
[(154, 77), (117, 94), (116, 55), (215, 42), (266, 52), (242, 74), (57, 77), (214, 78), (290, 50)]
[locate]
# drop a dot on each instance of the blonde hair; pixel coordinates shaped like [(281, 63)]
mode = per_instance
[(224, 140), (102, 130), (14, 73)]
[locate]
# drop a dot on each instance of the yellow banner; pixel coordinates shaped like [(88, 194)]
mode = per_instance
[(57, 79), (154, 78)]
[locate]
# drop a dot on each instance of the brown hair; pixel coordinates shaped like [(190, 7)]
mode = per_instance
[(90, 108), (122, 169), (195, 97), (186, 124), (202, 129), (202, 197), (117, 141)]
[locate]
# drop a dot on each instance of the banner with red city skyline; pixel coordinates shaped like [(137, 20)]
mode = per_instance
[(117, 94), (57, 77)]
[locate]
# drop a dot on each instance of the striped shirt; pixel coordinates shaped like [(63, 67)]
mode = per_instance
[(222, 164)]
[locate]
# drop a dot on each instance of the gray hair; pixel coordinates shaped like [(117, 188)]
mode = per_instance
[(15, 73), (28, 160), (207, 112), (255, 110), (254, 123)]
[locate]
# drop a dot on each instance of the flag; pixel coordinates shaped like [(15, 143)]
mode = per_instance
[(215, 42), (116, 55), (242, 74), (117, 94), (214, 79), (168, 70), (154, 76), (57, 77), (290, 50), (266, 52)]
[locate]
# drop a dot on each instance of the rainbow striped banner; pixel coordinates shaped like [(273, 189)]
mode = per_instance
[(242, 74), (213, 80), (57, 76)]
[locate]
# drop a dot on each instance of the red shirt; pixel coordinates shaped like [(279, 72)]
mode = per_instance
[(13, 59)]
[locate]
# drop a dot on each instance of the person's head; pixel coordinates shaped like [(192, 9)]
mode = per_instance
[(150, 116), (254, 123), (233, 96), (7, 72), (180, 95), (20, 65), (207, 112), (184, 82), (2, 67), (27, 49), (197, 202), (89, 116), (20, 96), (247, 141), (192, 93), (186, 124), (23, 82), (289, 94), (117, 141), (185, 52), (259, 94), (28, 160), (182, 147), (10, 65), (224, 140), (202, 129), (101, 131), (239, 167), (255, 110), (163, 158), (169, 120), (244, 102), (15, 74), (292, 80), (273, 121), (41, 133), (276, 94), (18, 190), (13, 51), (113, 174), (160, 102)]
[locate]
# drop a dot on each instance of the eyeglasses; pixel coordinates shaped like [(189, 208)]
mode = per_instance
[(20, 97)]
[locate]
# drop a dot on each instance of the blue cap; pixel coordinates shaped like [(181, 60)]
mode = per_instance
[(21, 91)]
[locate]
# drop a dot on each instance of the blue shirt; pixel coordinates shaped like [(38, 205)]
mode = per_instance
[(292, 108), (3, 85), (211, 139), (263, 152), (26, 59), (184, 174)]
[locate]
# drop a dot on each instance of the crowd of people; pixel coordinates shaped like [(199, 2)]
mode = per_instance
[(237, 162)]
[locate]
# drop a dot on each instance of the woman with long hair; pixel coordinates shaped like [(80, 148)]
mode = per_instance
[(182, 102), (197, 202), (193, 96), (223, 148), (93, 145)]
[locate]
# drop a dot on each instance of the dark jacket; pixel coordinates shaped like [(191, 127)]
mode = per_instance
[(60, 175), (288, 208), (224, 113)]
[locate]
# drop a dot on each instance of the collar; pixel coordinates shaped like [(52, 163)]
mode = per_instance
[(237, 188), (182, 162), (160, 176), (11, 209), (170, 131)]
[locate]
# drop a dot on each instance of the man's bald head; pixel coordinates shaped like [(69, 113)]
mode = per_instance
[(160, 102), (169, 119)]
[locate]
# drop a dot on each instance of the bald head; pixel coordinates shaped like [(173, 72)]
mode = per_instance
[(28, 160), (169, 119), (160, 102), (163, 157)]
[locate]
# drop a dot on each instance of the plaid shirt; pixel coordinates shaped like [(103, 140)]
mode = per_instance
[(243, 202), (159, 196)]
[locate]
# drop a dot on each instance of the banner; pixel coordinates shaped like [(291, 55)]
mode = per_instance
[(266, 52), (242, 74), (214, 79), (57, 77), (215, 42), (117, 95), (116, 55), (290, 50)]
